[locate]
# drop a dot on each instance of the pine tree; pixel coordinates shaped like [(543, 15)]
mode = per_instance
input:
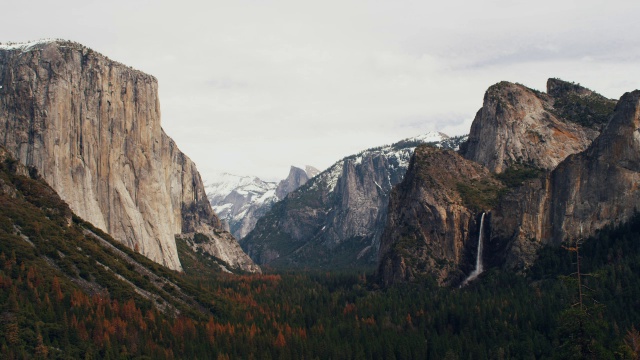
[(580, 331)]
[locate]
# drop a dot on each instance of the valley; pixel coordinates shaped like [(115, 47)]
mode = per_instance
[(519, 240)]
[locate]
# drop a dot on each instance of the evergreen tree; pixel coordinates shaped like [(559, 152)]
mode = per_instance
[(581, 331)]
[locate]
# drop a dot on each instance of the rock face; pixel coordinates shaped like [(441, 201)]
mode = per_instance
[(91, 127), (336, 219), (433, 222), (297, 177), (241, 200), (586, 192), (519, 125), (532, 215)]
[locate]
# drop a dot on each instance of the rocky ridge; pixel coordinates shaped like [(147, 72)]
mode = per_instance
[(91, 128), (335, 220)]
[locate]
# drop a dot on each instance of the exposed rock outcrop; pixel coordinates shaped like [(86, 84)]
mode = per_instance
[(586, 192), (296, 178), (433, 221), (91, 127), (520, 125)]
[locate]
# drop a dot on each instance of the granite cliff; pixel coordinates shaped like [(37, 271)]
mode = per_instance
[(520, 125), (433, 224), (585, 193), (296, 178), (335, 220), (91, 128)]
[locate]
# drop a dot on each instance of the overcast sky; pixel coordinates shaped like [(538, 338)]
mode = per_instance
[(252, 87)]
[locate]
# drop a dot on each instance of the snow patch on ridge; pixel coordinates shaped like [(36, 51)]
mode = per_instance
[(334, 176), (25, 46), (400, 151), (431, 137)]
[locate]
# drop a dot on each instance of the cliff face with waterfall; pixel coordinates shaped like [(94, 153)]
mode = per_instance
[(91, 127), (556, 164), (433, 223)]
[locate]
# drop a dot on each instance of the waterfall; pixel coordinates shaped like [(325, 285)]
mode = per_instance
[(478, 270)]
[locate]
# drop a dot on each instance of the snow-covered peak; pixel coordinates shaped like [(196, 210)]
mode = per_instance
[(400, 152), (241, 200), (221, 185), (226, 179)]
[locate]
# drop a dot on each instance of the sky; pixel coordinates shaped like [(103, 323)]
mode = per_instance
[(251, 87)]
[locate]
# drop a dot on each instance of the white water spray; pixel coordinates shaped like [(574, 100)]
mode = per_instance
[(479, 269)]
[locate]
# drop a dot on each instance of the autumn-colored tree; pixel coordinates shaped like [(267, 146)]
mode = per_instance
[(632, 342), (57, 290), (41, 350), (12, 333), (280, 341)]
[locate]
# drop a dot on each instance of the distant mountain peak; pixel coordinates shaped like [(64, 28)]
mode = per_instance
[(241, 200), (297, 177)]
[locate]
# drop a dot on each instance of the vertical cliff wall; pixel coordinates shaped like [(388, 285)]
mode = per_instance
[(433, 221), (586, 192), (91, 127), (560, 132), (519, 125)]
